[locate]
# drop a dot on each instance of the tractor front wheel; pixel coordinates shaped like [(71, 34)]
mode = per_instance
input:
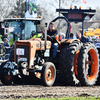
[(6, 79), (48, 74)]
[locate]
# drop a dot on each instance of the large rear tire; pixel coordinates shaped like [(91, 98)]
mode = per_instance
[(98, 79), (88, 64), (48, 74), (67, 63)]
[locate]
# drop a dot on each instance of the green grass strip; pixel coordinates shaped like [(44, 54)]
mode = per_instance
[(67, 98)]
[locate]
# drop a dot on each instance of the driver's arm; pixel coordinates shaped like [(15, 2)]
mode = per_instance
[(54, 37)]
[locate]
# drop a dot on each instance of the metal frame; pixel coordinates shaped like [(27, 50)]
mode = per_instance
[(67, 32), (84, 13)]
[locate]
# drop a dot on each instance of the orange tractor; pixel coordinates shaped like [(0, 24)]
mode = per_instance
[(76, 63)]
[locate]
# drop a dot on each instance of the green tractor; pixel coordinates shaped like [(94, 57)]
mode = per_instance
[(31, 7), (20, 28)]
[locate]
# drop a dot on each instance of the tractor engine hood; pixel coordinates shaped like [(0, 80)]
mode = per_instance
[(25, 50)]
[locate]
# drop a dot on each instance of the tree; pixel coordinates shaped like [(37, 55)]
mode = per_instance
[(97, 15), (47, 8), (65, 3), (11, 8), (6, 6), (19, 9)]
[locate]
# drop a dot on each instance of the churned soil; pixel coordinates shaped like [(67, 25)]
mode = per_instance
[(39, 91)]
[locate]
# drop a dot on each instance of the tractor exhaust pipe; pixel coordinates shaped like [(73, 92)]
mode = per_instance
[(45, 35)]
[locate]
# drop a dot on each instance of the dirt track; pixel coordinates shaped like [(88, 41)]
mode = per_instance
[(38, 91)]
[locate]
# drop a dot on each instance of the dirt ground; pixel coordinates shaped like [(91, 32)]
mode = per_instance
[(39, 91)]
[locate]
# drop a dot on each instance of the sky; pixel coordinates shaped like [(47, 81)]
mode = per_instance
[(91, 3)]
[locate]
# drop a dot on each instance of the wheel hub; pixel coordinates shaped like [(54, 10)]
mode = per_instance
[(8, 77), (49, 74)]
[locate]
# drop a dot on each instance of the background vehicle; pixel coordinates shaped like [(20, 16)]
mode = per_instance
[(94, 35), (19, 28)]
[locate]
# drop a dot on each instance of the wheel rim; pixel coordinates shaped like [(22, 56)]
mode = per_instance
[(75, 62), (49, 74), (8, 77), (92, 68), (29, 10)]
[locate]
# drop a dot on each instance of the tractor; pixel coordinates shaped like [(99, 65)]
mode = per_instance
[(76, 62)]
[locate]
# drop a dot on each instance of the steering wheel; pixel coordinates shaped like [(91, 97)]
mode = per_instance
[(49, 37)]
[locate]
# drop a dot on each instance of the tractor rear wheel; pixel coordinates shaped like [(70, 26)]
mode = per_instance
[(98, 79), (88, 64), (48, 74), (67, 63)]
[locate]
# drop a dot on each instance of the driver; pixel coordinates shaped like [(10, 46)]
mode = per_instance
[(54, 37)]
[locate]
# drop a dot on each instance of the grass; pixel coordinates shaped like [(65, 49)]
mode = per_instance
[(67, 98)]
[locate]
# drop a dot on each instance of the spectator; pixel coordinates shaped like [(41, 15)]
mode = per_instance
[(61, 35), (71, 36), (5, 36), (82, 38), (7, 47), (74, 37), (2, 50), (98, 38)]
